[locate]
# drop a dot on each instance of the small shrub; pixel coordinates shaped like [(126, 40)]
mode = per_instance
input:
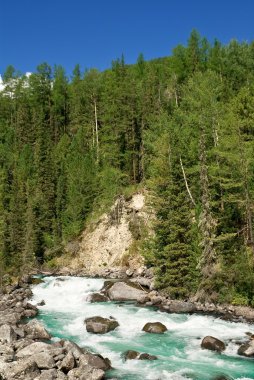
[(240, 299)]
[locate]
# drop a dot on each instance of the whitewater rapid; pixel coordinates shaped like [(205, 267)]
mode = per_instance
[(178, 350)]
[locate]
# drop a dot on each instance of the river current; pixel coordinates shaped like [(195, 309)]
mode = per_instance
[(178, 350)]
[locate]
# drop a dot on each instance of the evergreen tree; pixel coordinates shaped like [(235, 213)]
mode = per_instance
[(180, 126)]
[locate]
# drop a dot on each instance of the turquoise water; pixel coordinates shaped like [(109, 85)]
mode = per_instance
[(178, 350)]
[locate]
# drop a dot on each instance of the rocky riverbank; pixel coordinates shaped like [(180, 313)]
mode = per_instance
[(27, 351)]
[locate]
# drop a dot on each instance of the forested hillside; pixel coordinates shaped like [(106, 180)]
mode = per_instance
[(181, 126)]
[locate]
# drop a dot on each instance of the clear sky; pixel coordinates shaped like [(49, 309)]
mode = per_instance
[(93, 33)]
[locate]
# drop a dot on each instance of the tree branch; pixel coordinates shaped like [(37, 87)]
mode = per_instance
[(186, 183)]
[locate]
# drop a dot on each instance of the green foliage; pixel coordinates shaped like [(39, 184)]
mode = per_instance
[(239, 299), (181, 126)]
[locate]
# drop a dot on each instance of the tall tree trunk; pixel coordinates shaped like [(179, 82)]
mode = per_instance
[(186, 183)]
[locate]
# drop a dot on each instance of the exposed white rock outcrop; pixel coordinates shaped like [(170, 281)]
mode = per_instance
[(107, 243)]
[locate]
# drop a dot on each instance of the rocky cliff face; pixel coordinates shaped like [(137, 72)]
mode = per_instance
[(113, 241)]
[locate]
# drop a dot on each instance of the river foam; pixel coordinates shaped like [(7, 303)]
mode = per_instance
[(178, 350)]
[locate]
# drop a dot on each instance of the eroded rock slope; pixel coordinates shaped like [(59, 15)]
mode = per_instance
[(112, 241)]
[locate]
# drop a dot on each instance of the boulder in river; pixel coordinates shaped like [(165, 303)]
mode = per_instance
[(130, 355), (213, 344), (247, 349), (41, 303), (99, 325), (154, 328), (145, 356), (250, 335), (97, 297), (123, 291)]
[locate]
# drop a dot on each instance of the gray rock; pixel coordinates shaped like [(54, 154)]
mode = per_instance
[(250, 335), (50, 374), (154, 328), (72, 347), (247, 349), (61, 376), (59, 357), (7, 334), (213, 344), (43, 360), (140, 271), (68, 363), (22, 370), (130, 355), (11, 318), (36, 330), (22, 343), (7, 352), (19, 331), (31, 306), (123, 291), (86, 373), (176, 306), (143, 281), (97, 297), (19, 310), (143, 299), (129, 272), (156, 300), (33, 348), (95, 361), (6, 349), (58, 353), (145, 356), (30, 313), (41, 303), (99, 325)]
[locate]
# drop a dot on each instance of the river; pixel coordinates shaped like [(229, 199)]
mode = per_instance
[(178, 350)]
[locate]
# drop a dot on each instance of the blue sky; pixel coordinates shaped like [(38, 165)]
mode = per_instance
[(93, 33)]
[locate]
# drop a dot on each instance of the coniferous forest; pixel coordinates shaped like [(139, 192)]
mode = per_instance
[(181, 126)]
